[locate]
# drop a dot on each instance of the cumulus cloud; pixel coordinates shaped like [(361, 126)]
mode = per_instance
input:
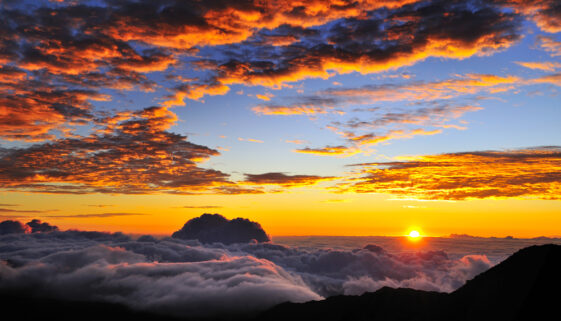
[(210, 228), (10, 227), (41, 227), (187, 278), (33, 226), (523, 173)]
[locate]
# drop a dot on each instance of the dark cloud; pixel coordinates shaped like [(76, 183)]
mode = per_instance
[(33, 226), (41, 227), (68, 52), (285, 180), (545, 13), (11, 227), (211, 228), (383, 40)]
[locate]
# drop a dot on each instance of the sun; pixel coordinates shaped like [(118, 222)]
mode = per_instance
[(414, 234)]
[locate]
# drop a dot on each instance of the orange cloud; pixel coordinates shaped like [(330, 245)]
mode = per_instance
[(284, 180), (554, 79), (326, 100), (446, 89), (209, 24), (339, 151), (550, 45), (31, 110), (334, 58), (372, 139), (295, 141), (526, 173), (134, 155), (250, 140), (288, 110), (545, 66), (195, 92), (545, 13), (265, 97)]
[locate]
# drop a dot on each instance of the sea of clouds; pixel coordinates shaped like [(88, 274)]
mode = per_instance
[(185, 277)]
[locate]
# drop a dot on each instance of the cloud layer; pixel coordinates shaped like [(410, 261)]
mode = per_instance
[(186, 278)]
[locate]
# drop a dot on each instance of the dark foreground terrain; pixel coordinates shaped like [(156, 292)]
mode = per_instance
[(526, 286)]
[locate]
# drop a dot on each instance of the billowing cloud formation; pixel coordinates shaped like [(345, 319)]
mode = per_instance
[(210, 228), (133, 153), (31, 109), (69, 51), (185, 278), (526, 173), (378, 42)]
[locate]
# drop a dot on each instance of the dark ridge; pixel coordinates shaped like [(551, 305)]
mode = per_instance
[(384, 304), (21, 307), (523, 287), (526, 286)]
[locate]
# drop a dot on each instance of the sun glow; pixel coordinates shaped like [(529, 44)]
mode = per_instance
[(414, 234)]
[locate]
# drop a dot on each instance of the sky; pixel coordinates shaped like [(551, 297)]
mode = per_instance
[(311, 117)]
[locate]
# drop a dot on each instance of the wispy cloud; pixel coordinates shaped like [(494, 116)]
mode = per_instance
[(94, 215), (200, 206)]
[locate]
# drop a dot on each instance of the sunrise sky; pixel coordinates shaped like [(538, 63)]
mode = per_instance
[(311, 117)]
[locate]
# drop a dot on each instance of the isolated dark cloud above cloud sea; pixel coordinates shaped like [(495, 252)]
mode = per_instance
[(186, 277), (209, 228)]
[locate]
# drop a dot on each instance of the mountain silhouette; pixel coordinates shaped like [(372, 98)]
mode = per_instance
[(526, 286)]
